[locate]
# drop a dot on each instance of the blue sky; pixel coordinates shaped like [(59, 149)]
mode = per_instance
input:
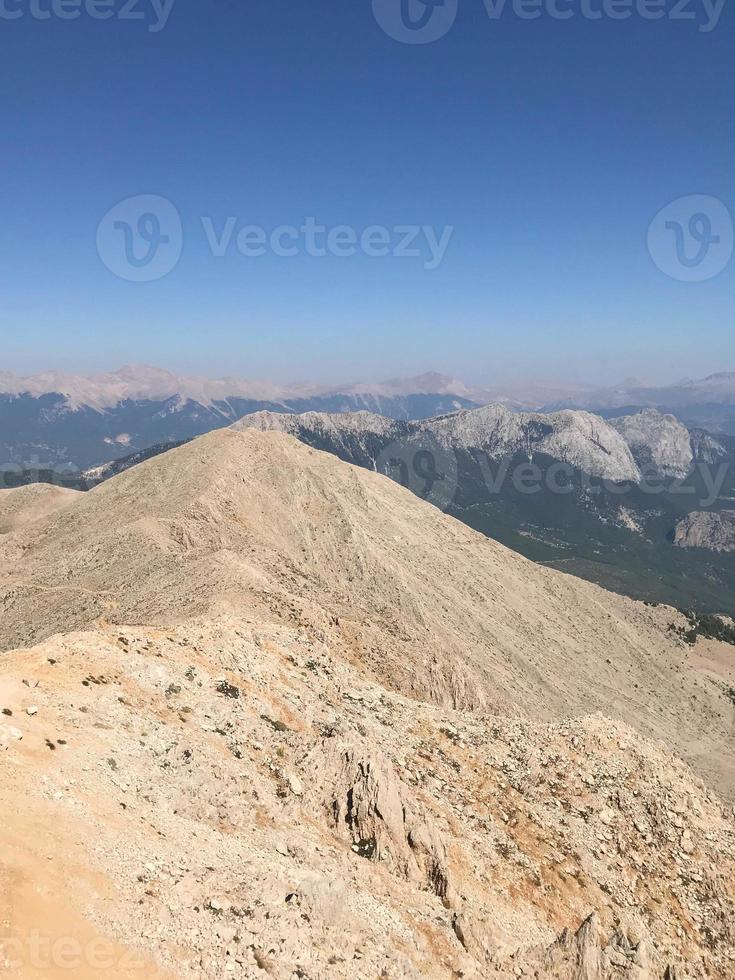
[(548, 146)]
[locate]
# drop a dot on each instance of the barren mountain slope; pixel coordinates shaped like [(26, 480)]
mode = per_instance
[(24, 505), (238, 799), (289, 768), (259, 525)]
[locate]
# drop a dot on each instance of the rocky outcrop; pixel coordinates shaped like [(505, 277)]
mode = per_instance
[(713, 530), (660, 444), (583, 440), (586, 955), (364, 802), (707, 449)]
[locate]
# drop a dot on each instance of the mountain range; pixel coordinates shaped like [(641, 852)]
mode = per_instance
[(605, 500), (708, 403), (618, 513), (54, 419), (627, 448), (267, 713)]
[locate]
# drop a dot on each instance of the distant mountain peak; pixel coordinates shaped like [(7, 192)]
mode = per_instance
[(143, 373)]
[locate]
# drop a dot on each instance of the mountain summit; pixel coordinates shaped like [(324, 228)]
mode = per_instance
[(256, 521), (267, 713)]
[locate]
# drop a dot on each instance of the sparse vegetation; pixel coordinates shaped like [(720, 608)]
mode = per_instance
[(708, 626)]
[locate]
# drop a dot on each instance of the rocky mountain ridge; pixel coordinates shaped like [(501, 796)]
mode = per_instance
[(598, 498), (54, 419), (284, 719), (622, 449)]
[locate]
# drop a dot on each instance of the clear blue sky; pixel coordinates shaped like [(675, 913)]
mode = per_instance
[(548, 145)]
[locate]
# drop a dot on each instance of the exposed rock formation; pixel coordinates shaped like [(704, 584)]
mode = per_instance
[(585, 955), (660, 444), (365, 802), (584, 441), (706, 448), (714, 530)]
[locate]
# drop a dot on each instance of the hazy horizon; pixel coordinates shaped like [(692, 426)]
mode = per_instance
[(471, 379), (609, 367)]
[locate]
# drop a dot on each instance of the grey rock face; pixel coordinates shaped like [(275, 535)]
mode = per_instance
[(706, 448), (707, 529), (659, 443), (585, 441)]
